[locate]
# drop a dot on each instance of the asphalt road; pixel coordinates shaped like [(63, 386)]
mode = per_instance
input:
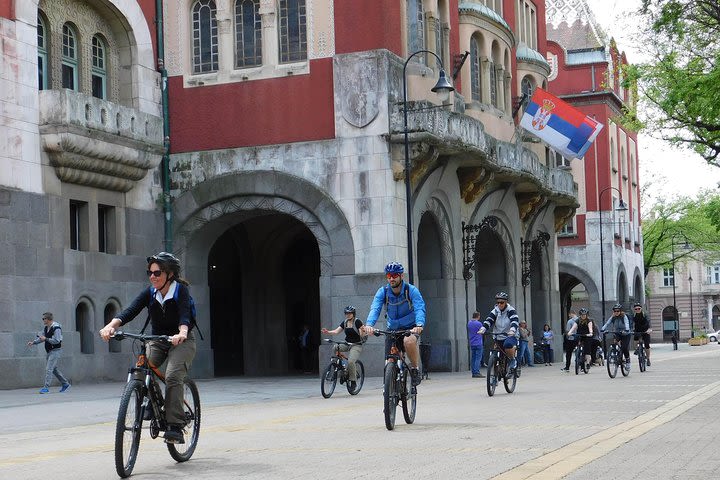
[(661, 424)]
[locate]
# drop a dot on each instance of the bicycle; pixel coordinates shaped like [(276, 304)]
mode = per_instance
[(395, 383), (580, 356), (498, 368), (338, 370), (614, 356), (142, 399), (641, 353)]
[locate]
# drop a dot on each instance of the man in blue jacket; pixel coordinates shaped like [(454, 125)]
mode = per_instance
[(405, 310)]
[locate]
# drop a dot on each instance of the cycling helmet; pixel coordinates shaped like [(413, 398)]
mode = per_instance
[(583, 311), (394, 267), (617, 306), (167, 261), (501, 296), (350, 309), (637, 305)]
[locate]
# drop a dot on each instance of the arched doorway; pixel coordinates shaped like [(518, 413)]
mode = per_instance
[(431, 284), (263, 279), (716, 317), (491, 270), (669, 315)]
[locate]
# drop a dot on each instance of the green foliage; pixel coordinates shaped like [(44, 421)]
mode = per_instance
[(684, 227), (678, 89)]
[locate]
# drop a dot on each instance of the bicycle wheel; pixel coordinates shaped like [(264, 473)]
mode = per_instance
[(409, 399), (642, 360), (625, 370), (581, 358), (577, 360), (328, 380), (612, 361), (181, 452), (509, 379), (128, 428), (360, 368), (390, 395), (492, 373)]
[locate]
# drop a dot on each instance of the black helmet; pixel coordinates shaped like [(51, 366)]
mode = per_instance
[(394, 267), (501, 296), (636, 304), (617, 306), (583, 311), (350, 309), (167, 261)]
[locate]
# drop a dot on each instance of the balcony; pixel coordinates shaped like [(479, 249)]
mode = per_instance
[(97, 143)]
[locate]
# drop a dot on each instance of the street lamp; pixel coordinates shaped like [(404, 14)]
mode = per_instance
[(443, 89), (620, 208), (692, 326)]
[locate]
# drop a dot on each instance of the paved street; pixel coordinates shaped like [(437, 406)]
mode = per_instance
[(662, 424)]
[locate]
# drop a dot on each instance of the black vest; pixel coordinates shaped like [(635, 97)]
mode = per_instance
[(49, 332)]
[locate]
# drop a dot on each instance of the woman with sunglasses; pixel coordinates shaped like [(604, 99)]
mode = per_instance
[(170, 313), (503, 319)]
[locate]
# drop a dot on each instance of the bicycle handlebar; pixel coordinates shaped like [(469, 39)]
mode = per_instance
[(392, 333), (330, 340), (120, 335)]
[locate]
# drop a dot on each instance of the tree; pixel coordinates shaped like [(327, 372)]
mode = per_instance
[(678, 90), (684, 224)]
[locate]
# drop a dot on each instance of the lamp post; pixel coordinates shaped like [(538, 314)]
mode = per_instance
[(620, 208), (443, 89), (692, 326), (675, 311)]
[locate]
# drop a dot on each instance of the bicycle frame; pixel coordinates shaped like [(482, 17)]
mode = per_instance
[(498, 369), (395, 386)]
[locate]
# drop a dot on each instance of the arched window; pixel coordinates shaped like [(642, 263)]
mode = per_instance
[(111, 310), (475, 76), (42, 38), (99, 68), (293, 31), (69, 58), (205, 36), (84, 326), (527, 87), (613, 156), (493, 85), (416, 28), (248, 34)]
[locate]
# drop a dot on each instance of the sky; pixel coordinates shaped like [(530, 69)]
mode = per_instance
[(686, 172)]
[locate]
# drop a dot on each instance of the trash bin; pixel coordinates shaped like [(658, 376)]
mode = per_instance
[(425, 350)]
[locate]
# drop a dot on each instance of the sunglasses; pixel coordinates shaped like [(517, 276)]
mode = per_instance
[(392, 275), (500, 302), (638, 308), (616, 311), (154, 273)]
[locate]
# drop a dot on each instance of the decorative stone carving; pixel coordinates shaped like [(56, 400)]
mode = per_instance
[(529, 203), (472, 181), (359, 89), (562, 215), (423, 158)]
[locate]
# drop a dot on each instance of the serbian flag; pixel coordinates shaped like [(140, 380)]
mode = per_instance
[(562, 126)]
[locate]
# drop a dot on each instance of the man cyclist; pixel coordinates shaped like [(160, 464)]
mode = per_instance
[(619, 325), (642, 329), (504, 321), (404, 309), (351, 326)]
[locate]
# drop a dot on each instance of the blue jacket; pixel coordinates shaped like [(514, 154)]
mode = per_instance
[(399, 314)]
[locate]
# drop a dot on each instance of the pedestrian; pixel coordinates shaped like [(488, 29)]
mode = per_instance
[(547, 344), (169, 313), (525, 339), (675, 339), (305, 341), (51, 337), (351, 325), (476, 345), (569, 340)]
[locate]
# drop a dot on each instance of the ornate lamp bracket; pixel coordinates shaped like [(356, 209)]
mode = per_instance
[(531, 254), (470, 234)]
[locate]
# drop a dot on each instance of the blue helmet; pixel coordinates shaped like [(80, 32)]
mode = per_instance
[(394, 267)]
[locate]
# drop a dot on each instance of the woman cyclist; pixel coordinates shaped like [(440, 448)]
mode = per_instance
[(170, 312), (584, 329), (351, 325)]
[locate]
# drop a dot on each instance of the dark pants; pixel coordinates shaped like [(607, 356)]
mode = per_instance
[(546, 351), (568, 346), (179, 358)]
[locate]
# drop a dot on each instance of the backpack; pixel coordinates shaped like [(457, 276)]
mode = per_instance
[(193, 310), (407, 297)]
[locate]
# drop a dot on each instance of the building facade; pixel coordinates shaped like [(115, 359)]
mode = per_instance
[(275, 168), (601, 246)]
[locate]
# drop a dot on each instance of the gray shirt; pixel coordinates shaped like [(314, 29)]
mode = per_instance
[(571, 321)]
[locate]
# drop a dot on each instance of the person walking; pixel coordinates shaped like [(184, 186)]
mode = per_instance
[(525, 339), (51, 337), (569, 341), (476, 345), (547, 344)]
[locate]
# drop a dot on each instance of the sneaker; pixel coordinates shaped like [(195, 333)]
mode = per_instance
[(513, 364), (352, 386), (478, 375), (627, 366), (44, 390), (635, 352), (174, 435), (647, 362), (65, 388), (564, 369), (415, 377)]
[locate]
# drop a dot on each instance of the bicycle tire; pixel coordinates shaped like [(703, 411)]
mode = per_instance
[(360, 369), (492, 371), (577, 360), (642, 359), (625, 371), (181, 452), (328, 380), (612, 362), (583, 366), (509, 379), (409, 399), (390, 395), (128, 428)]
